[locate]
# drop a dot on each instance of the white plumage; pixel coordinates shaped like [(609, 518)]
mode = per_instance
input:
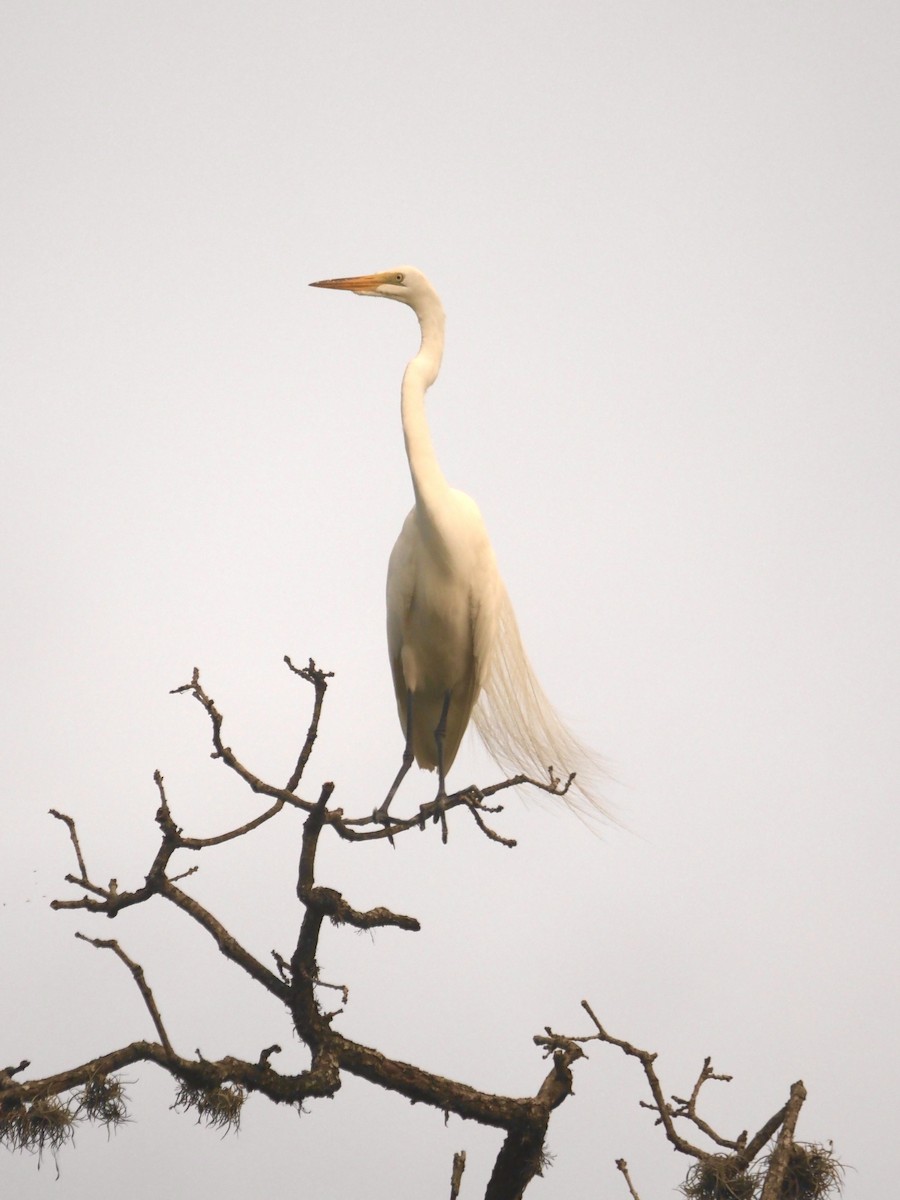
[(453, 641)]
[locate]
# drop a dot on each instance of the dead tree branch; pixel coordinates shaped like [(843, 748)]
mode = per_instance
[(778, 1162), (215, 1090), (740, 1173)]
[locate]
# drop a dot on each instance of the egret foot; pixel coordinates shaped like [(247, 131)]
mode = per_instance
[(437, 810)]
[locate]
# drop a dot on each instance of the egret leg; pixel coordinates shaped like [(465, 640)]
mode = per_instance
[(439, 734), (381, 813), (438, 807)]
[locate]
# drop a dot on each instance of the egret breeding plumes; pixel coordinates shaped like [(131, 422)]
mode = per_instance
[(453, 640)]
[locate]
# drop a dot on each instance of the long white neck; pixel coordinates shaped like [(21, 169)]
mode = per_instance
[(428, 479)]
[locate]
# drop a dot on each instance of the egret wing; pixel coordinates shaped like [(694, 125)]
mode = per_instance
[(401, 584)]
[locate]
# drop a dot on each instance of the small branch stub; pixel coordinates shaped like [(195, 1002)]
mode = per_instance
[(459, 1165)]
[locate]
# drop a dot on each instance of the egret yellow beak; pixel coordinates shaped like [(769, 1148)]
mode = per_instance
[(364, 284)]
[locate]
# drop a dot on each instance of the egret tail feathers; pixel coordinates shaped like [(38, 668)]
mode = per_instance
[(520, 728)]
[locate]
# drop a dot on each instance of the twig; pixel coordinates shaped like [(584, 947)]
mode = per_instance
[(74, 836), (623, 1167), (110, 899), (336, 987), (473, 806), (688, 1109), (284, 967), (174, 834), (319, 680), (227, 754), (137, 972), (647, 1060)]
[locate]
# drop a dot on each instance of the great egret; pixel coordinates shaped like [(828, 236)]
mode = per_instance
[(453, 640)]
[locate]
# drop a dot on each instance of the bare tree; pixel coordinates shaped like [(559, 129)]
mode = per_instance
[(38, 1114)]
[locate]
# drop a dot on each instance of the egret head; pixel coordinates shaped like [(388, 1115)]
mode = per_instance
[(406, 284)]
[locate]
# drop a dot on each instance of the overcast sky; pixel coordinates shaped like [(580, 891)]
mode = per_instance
[(666, 236)]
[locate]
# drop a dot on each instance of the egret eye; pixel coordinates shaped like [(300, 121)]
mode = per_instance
[(399, 277)]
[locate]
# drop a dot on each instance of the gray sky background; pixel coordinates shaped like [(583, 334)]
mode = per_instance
[(666, 236)]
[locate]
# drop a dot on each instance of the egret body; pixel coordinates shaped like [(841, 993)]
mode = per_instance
[(453, 641)]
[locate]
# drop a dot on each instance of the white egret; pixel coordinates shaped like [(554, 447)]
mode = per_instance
[(453, 640)]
